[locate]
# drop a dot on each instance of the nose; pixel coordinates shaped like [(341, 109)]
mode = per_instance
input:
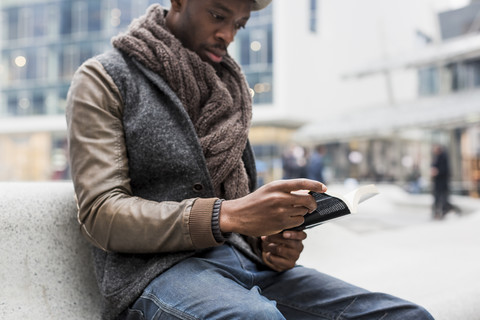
[(227, 34)]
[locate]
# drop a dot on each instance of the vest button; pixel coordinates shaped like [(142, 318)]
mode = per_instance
[(198, 187)]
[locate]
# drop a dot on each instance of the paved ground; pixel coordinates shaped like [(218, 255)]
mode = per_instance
[(392, 245)]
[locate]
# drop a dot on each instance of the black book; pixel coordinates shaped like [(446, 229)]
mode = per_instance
[(332, 206)]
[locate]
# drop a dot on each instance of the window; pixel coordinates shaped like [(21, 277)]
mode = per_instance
[(53, 19), (59, 161), (4, 26), (26, 103), (262, 85), (313, 15), (38, 103), (61, 99), (12, 23), (428, 81), (85, 52), (473, 73), (255, 54), (66, 18), (12, 104), (465, 75), (40, 21), (32, 66), (79, 17), (68, 61), (256, 58), (18, 65), (42, 63), (25, 23), (94, 11)]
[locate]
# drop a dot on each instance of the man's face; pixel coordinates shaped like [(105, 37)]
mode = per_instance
[(207, 27)]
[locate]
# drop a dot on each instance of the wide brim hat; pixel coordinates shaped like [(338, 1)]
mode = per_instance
[(260, 4)]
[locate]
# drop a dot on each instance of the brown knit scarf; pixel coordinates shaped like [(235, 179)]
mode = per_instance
[(217, 101)]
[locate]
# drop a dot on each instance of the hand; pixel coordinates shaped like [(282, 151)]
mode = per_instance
[(271, 209), (281, 251)]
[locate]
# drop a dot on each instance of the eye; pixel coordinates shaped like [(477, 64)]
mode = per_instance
[(216, 16), (239, 26)]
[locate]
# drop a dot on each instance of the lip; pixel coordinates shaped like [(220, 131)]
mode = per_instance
[(215, 56)]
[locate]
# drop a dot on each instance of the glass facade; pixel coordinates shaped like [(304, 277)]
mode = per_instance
[(255, 54), (42, 43), (458, 76)]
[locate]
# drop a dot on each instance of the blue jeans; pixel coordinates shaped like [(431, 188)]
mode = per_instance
[(222, 283)]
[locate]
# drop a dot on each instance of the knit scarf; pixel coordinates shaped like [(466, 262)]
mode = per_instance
[(216, 99)]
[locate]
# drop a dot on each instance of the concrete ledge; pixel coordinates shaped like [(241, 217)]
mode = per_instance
[(46, 270), (45, 265)]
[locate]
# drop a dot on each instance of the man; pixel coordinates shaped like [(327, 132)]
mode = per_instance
[(158, 138), (440, 171), (316, 164)]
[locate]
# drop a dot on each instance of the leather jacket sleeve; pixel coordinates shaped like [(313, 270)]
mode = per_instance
[(109, 215)]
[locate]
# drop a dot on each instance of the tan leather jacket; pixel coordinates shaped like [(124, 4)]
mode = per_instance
[(110, 216)]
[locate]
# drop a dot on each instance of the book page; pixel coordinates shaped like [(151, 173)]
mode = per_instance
[(359, 195)]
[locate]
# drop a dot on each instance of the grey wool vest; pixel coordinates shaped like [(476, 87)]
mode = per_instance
[(166, 162)]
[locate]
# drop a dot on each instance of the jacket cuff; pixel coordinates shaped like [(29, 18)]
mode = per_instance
[(217, 233), (200, 223)]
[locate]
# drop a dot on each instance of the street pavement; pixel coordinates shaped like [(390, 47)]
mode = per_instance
[(393, 245)]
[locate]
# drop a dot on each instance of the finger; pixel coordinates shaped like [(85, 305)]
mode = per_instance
[(299, 184), (285, 238), (291, 250), (300, 210), (269, 241), (267, 258), (289, 238), (304, 200), (286, 252), (294, 221), (280, 263), (294, 235)]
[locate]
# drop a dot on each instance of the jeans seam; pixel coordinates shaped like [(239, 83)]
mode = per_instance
[(135, 310), (166, 308), (239, 258), (346, 308), (327, 315), (384, 316)]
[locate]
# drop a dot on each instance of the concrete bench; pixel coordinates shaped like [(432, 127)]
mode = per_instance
[(45, 266), (46, 270)]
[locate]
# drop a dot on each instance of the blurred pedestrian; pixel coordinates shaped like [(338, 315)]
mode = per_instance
[(414, 180), (440, 171), (294, 162), (316, 164)]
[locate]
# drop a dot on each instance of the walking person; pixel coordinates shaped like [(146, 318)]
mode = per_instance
[(316, 164), (440, 171)]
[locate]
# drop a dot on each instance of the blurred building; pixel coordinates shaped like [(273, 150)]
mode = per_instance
[(427, 78), (42, 43), (375, 81)]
